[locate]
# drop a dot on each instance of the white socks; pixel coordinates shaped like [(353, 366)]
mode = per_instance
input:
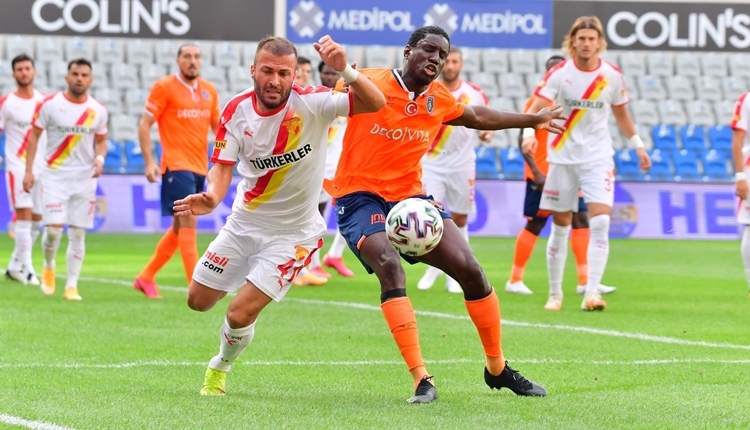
[(23, 249), (36, 228), (233, 342), (557, 253), (598, 251), (75, 254), (51, 243), (337, 247), (745, 249), (315, 261)]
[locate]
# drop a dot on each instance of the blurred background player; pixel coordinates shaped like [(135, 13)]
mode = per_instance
[(741, 156), (76, 126), (303, 72), (333, 258), (581, 158), (536, 173), (16, 112), (184, 106), (449, 166)]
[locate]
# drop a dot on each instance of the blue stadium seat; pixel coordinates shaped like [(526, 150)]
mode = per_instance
[(512, 163), (665, 137), (715, 166), (113, 162), (486, 163), (686, 166), (720, 138), (134, 157), (627, 166), (661, 167), (693, 137)]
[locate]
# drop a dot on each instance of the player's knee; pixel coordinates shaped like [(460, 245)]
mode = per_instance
[(599, 225), (52, 235), (198, 303), (535, 226), (389, 270), (77, 236), (238, 317)]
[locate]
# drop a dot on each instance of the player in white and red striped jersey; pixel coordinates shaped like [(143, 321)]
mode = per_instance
[(76, 127), (741, 157), (582, 156), (449, 166), (278, 131), (16, 112)]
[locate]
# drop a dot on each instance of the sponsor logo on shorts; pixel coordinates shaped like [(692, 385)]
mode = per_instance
[(551, 194), (377, 219), (215, 262), (54, 207)]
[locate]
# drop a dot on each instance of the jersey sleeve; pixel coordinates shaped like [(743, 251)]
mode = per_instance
[(620, 94), (450, 107), (40, 115), (741, 118), (227, 146), (102, 129), (157, 100), (2, 114), (336, 104), (550, 85)]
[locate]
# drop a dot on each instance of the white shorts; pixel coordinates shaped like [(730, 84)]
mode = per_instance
[(324, 197), (20, 199), (270, 260), (454, 190), (596, 180), (743, 209), (69, 201)]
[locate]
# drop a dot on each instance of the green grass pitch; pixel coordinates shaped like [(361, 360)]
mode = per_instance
[(672, 351)]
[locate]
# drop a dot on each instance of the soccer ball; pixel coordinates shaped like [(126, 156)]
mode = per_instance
[(414, 227)]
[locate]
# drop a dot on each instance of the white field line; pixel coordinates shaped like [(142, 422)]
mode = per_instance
[(507, 323), (35, 425), (364, 363)]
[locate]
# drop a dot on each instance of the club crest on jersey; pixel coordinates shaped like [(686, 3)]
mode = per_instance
[(411, 108), (292, 125), (430, 104), (205, 94)]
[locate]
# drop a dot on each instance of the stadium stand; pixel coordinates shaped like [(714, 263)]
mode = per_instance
[(679, 101)]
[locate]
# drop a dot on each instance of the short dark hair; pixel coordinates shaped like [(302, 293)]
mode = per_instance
[(422, 32), (186, 45), (554, 58), (321, 66), (20, 59), (80, 62), (278, 46), (303, 60)]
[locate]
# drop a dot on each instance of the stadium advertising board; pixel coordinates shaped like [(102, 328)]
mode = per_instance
[(188, 19), (477, 23), (707, 26), (128, 204)]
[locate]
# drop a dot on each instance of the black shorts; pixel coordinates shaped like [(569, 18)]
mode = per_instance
[(363, 214), (534, 197), (176, 185)]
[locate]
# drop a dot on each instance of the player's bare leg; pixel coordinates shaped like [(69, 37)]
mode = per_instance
[(454, 256), (432, 273), (385, 261), (598, 253)]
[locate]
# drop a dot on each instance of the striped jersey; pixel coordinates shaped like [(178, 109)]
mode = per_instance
[(587, 98), (15, 119), (452, 149), (282, 156), (71, 127)]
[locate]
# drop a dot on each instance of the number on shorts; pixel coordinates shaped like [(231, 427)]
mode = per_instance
[(608, 184), (92, 207)]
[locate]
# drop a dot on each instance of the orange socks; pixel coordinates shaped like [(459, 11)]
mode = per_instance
[(165, 249), (485, 314), (399, 314), (524, 247), (188, 239), (579, 241)]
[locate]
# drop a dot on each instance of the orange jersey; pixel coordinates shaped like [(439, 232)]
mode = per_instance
[(540, 156), (382, 151), (184, 115)]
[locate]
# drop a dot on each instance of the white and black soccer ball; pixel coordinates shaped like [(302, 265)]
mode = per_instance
[(414, 227)]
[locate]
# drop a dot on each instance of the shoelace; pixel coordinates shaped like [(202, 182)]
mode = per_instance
[(424, 386), (520, 380)]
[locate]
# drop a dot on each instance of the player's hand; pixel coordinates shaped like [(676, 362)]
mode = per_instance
[(196, 204), (331, 53), (545, 117), (528, 146), (741, 189), (645, 160), (28, 182), (98, 168), (539, 180), (486, 135), (152, 172)]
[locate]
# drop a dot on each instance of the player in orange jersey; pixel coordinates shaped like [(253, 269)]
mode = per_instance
[(536, 173), (184, 106), (380, 166)]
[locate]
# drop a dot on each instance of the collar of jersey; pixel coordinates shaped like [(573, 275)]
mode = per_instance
[(193, 88), (401, 84)]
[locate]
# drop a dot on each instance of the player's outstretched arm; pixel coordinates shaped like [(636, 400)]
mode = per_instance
[(738, 137), (144, 139), (367, 96), (625, 122), (219, 180), (484, 118), (31, 148), (100, 148), (539, 177)]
